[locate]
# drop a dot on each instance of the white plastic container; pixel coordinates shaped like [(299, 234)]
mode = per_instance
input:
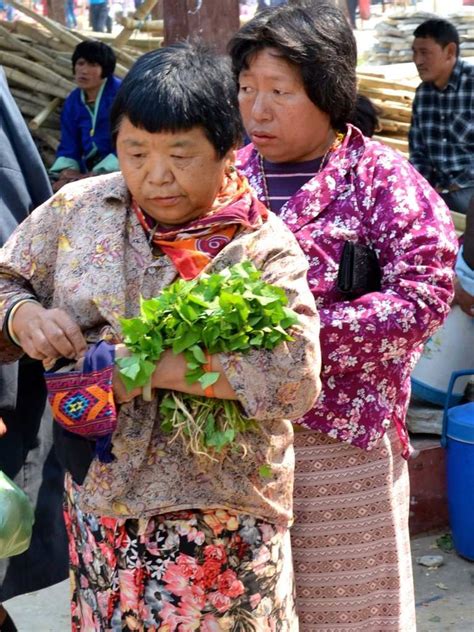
[(450, 349)]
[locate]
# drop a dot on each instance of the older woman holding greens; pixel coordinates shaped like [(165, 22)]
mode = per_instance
[(159, 538), (297, 88)]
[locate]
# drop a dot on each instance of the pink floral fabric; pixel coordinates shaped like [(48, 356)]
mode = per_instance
[(369, 194), (190, 570)]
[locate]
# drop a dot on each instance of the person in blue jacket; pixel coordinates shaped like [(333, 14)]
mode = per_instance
[(86, 145)]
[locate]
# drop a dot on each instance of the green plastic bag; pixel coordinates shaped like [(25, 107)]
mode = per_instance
[(16, 518)]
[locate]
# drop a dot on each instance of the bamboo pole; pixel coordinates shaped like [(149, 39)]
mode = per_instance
[(41, 117), (393, 111), (140, 14), (27, 108), (36, 99), (33, 68), (385, 94), (31, 30), (459, 221), (127, 59), (65, 72), (10, 44), (394, 126), (146, 26), (56, 29), (47, 138), (381, 82), (26, 48), (34, 84), (396, 143)]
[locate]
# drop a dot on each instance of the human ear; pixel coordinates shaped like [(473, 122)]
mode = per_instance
[(229, 159), (451, 50)]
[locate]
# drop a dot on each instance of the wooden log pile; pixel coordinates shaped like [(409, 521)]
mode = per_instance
[(36, 57), (394, 101), (394, 35)]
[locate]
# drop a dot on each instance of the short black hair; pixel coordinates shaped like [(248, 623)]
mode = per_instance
[(95, 53), (442, 31), (365, 116), (318, 41), (178, 88)]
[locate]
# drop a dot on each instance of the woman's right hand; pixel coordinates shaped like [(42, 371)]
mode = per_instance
[(47, 333)]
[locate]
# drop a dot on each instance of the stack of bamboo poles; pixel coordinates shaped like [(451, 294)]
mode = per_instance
[(395, 35), (36, 58), (394, 102)]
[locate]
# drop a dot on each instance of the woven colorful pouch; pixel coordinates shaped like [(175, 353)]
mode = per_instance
[(83, 403)]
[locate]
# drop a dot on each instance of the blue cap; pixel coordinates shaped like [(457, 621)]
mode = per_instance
[(461, 423)]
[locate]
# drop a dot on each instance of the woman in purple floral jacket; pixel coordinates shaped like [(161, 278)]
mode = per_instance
[(330, 184)]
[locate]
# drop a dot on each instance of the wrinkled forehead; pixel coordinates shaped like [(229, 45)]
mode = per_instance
[(133, 137), (270, 63)]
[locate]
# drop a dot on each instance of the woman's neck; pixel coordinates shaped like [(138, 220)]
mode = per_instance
[(91, 94)]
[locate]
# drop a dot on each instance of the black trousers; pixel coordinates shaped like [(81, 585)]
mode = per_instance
[(99, 15), (459, 200)]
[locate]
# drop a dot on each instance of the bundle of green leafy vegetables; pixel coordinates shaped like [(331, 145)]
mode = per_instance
[(233, 310)]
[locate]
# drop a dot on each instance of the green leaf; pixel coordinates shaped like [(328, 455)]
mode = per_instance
[(198, 353), (445, 542), (228, 311), (194, 376), (166, 425), (209, 427), (130, 367), (149, 308), (208, 379), (265, 471), (219, 439), (186, 341), (167, 403), (262, 300)]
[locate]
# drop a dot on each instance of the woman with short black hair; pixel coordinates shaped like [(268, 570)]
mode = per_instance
[(160, 536), (348, 200), (86, 145), (182, 104), (95, 52)]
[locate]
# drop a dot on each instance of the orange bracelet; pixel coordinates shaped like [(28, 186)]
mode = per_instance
[(208, 391)]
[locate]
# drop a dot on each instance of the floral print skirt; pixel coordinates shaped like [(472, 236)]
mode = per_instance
[(190, 570)]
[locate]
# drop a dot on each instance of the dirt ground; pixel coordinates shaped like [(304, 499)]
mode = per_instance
[(445, 595)]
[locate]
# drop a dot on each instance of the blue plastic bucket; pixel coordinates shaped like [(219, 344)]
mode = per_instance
[(458, 439), (448, 350)]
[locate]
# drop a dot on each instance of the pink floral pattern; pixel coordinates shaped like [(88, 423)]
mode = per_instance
[(370, 194), (190, 570)]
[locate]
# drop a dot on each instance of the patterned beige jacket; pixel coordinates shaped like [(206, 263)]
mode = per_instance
[(85, 252)]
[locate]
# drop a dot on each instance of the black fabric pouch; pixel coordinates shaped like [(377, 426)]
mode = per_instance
[(74, 453), (359, 271)]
